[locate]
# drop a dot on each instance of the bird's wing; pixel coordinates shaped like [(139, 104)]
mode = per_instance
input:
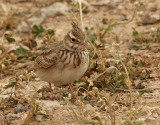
[(48, 57)]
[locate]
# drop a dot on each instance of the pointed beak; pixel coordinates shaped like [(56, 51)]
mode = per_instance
[(85, 44)]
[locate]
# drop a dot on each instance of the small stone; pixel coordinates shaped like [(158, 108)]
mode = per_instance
[(11, 117), (39, 118), (39, 43), (55, 104), (17, 39), (120, 7), (53, 10), (50, 104), (140, 119), (155, 18), (89, 108), (19, 108), (8, 33), (140, 13), (47, 106), (146, 19), (150, 19), (118, 30), (23, 28), (155, 115), (153, 29)]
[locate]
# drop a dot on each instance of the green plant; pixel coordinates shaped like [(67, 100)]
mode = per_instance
[(37, 30)]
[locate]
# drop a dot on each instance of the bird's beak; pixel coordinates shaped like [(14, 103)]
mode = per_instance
[(85, 44)]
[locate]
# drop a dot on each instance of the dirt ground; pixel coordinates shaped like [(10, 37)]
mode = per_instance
[(122, 83)]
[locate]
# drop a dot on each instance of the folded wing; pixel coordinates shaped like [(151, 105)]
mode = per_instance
[(47, 59)]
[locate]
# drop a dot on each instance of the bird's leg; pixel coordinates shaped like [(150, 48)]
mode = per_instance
[(70, 88), (51, 90)]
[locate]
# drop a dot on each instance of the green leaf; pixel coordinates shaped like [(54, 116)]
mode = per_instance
[(91, 35), (115, 85), (10, 85), (65, 95), (158, 34), (51, 32), (37, 31), (139, 64), (141, 93), (108, 30), (43, 48), (21, 51), (114, 72), (91, 54), (10, 39), (33, 57), (135, 32)]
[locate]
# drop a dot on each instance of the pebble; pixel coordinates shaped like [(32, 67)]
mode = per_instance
[(150, 19), (53, 10), (17, 39), (118, 30), (48, 106), (39, 118), (11, 116), (19, 108), (155, 115), (89, 108), (39, 43), (140, 119), (53, 104), (23, 28), (155, 17)]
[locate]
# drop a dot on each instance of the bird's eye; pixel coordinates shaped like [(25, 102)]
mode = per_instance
[(73, 39)]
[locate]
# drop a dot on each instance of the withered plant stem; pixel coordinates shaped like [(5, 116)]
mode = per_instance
[(128, 82), (80, 11)]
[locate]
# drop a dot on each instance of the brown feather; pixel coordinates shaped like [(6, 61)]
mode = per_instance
[(77, 32), (48, 57)]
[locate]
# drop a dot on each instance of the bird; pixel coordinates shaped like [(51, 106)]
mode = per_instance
[(65, 61)]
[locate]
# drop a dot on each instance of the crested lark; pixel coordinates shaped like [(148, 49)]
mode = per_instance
[(65, 61)]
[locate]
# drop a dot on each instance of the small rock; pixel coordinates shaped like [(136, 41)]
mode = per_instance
[(39, 43), (150, 19), (39, 118), (155, 18), (89, 108), (140, 119), (11, 116), (54, 104), (146, 19), (49, 105), (155, 115), (120, 7), (23, 28), (153, 29), (140, 13), (19, 108), (17, 39), (50, 11), (118, 30)]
